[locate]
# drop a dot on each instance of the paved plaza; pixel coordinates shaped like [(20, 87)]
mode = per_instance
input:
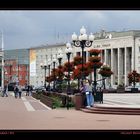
[(28, 113)]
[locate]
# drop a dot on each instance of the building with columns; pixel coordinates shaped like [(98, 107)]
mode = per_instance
[(120, 50)]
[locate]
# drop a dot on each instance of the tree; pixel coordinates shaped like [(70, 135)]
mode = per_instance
[(105, 71), (133, 77)]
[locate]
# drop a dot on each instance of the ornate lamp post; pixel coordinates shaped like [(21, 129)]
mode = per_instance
[(44, 66), (59, 57), (54, 76), (49, 64), (83, 40), (68, 53)]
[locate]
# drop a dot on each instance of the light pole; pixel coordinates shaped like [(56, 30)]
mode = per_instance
[(54, 77), (59, 57), (49, 64), (44, 66), (83, 40), (68, 53)]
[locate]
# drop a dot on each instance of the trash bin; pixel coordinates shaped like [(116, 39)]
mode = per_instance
[(98, 96), (78, 101)]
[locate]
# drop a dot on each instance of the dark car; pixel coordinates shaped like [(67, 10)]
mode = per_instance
[(40, 88)]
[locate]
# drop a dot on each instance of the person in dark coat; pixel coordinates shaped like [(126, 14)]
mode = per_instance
[(5, 90)]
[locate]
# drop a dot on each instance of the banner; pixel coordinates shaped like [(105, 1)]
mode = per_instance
[(32, 63)]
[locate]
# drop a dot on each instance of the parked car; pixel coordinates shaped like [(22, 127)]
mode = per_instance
[(129, 88), (39, 89)]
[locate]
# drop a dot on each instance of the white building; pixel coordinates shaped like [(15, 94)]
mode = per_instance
[(120, 50)]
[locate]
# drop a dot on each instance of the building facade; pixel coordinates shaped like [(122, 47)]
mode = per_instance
[(16, 66), (120, 50)]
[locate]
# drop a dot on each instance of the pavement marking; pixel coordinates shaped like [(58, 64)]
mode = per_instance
[(45, 106), (42, 104), (28, 106), (23, 98)]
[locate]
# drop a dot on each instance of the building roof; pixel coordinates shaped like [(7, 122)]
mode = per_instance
[(115, 34), (48, 46)]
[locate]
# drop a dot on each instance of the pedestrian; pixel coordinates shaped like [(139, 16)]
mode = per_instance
[(5, 91), (16, 90), (88, 91), (27, 90), (20, 91), (30, 90)]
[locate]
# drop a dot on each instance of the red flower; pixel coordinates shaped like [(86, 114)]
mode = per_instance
[(66, 65), (77, 60), (105, 71), (95, 59), (95, 52)]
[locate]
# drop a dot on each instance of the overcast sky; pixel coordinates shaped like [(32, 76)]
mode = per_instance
[(25, 29)]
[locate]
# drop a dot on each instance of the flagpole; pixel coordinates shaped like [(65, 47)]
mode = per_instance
[(2, 69)]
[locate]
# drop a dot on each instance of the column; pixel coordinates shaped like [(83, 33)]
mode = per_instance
[(125, 63), (118, 66), (105, 51), (105, 60), (112, 68), (132, 60)]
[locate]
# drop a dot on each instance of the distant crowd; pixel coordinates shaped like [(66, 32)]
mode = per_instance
[(18, 90)]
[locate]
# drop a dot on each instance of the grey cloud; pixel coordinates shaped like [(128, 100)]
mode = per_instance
[(23, 29)]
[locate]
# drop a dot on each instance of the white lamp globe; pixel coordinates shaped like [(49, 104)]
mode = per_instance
[(91, 37), (82, 30), (68, 45), (74, 37)]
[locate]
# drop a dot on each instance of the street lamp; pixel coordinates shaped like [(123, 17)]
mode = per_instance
[(44, 66), (49, 64), (54, 62), (59, 57), (68, 53), (83, 40)]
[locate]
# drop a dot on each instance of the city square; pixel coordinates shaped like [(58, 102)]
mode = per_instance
[(69, 76)]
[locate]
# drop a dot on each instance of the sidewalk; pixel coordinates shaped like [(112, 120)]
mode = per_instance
[(15, 116)]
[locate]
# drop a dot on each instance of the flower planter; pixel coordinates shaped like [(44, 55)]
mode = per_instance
[(46, 100)]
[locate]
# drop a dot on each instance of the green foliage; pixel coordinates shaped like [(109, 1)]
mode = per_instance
[(56, 102), (74, 85)]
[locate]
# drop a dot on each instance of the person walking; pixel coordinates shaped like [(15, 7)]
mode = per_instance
[(30, 90), (89, 96), (16, 90), (20, 91), (5, 91)]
